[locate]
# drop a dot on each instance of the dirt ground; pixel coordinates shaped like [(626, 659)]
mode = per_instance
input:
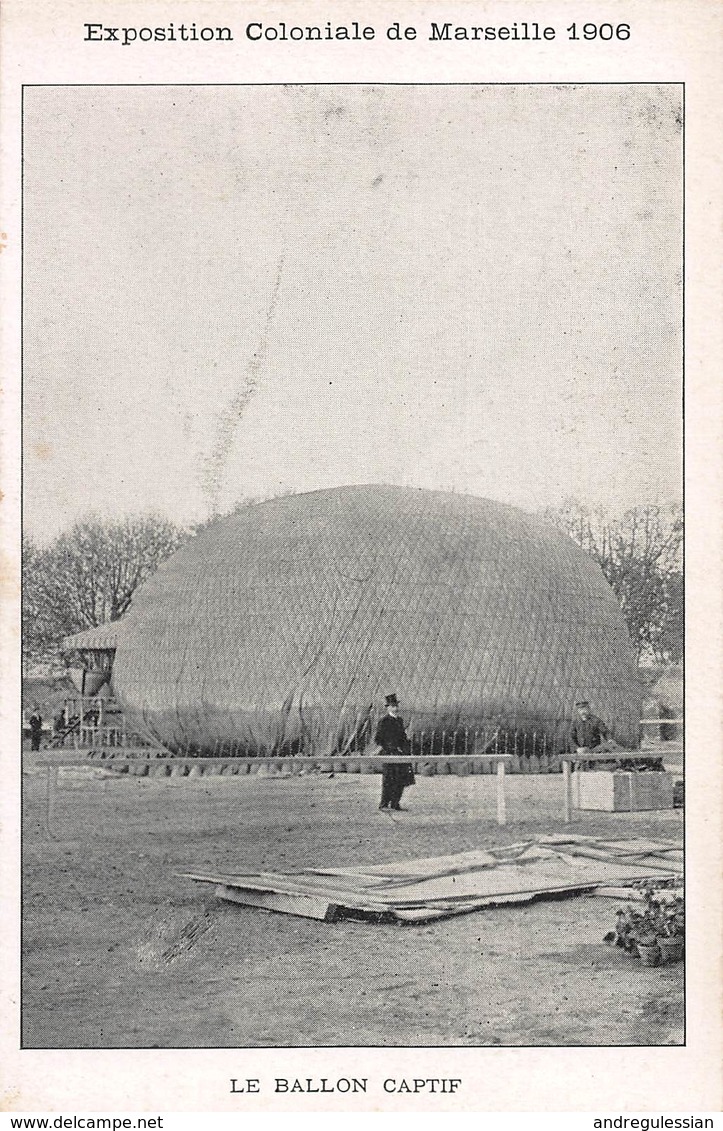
[(120, 952)]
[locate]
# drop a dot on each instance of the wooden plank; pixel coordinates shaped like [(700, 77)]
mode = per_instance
[(282, 886), (553, 839), (637, 851), (592, 853), (512, 896), (510, 852), (636, 844), (331, 762), (105, 755), (479, 885), (311, 881), (549, 875), (306, 906), (633, 893), (426, 867), (425, 915), (361, 900), (619, 893), (638, 847)]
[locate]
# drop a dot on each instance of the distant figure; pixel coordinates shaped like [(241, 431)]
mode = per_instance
[(35, 722), (392, 737), (587, 731), (590, 733)]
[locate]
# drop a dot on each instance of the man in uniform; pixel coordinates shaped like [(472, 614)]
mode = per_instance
[(588, 732), (392, 737)]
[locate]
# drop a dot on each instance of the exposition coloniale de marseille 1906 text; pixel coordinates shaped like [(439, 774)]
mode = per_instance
[(520, 32)]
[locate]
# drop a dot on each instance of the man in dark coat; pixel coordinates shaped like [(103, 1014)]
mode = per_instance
[(588, 732), (392, 737), (35, 722)]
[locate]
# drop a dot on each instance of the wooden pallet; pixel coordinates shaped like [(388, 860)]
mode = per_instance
[(431, 888)]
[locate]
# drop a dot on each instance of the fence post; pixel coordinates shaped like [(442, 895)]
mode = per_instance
[(501, 800), (51, 788), (568, 790)]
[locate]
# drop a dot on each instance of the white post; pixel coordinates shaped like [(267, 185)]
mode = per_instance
[(568, 791), (501, 808), (51, 790)]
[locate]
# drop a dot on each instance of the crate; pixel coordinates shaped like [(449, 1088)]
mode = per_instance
[(623, 791)]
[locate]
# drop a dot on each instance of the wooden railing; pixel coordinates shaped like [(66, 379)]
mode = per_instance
[(53, 761)]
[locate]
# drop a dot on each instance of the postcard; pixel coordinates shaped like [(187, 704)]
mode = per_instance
[(361, 543)]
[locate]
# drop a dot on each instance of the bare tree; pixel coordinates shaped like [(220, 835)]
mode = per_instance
[(640, 554), (46, 616), (88, 576)]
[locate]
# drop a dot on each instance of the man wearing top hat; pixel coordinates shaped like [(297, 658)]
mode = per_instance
[(392, 737), (35, 722)]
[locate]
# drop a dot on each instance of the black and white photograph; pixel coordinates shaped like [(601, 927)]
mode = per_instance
[(352, 566)]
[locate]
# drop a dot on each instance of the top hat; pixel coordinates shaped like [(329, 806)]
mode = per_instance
[(391, 700)]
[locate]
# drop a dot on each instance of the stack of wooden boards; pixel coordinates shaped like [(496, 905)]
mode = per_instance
[(416, 891)]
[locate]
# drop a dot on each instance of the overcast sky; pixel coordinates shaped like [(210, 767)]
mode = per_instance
[(237, 291)]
